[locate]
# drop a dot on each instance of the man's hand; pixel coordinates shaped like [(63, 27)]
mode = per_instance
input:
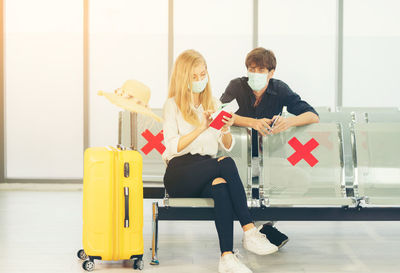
[(282, 124), (262, 126)]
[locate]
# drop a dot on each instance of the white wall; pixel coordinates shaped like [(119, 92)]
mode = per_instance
[(371, 65), (43, 88), (129, 40), (302, 34), (221, 31)]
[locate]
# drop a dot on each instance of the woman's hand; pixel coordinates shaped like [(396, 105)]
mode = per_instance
[(206, 120), (228, 122)]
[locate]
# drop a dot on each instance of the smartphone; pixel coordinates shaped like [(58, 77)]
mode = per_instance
[(273, 123)]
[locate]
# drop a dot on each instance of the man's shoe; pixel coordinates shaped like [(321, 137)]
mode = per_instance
[(274, 235)]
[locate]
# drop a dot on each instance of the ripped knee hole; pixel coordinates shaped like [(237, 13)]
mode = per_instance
[(218, 181), (221, 158)]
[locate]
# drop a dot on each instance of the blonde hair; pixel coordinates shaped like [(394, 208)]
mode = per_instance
[(180, 85)]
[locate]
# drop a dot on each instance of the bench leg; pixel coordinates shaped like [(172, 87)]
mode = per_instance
[(154, 245)]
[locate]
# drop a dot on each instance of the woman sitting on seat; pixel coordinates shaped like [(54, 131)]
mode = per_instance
[(192, 167)]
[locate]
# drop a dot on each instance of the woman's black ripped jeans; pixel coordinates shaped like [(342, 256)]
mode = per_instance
[(192, 176)]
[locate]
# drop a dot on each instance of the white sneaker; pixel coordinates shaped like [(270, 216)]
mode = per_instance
[(256, 242), (230, 263)]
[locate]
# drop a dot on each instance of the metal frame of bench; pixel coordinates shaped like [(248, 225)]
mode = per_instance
[(202, 209)]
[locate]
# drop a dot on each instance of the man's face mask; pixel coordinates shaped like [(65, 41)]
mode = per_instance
[(199, 86), (257, 81)]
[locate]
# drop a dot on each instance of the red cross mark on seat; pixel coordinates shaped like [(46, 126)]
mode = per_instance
[(154, 142), (303, 151)]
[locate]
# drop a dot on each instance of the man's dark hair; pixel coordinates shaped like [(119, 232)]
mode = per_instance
[(262, 57)]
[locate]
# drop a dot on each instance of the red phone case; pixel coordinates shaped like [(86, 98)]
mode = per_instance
[(217, 122)]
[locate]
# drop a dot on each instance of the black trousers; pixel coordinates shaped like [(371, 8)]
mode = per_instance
[(192, 176)]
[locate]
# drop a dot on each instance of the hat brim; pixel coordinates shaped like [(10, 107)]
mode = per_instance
[(130, 105)]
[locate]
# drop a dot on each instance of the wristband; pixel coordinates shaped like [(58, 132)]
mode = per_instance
[(226, 132)]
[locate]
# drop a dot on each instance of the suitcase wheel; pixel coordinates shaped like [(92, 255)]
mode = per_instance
[(138, 264), (88, 265), (82, 255)]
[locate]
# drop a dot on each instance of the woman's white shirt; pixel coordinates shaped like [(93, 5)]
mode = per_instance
[(175, 126)]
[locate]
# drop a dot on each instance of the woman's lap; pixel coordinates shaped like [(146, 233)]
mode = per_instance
[(191, 180)]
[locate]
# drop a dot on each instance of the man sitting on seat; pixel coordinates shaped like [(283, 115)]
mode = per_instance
[(261, 99)]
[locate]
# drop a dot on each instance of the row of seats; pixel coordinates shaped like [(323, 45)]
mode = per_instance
[(357, 156)]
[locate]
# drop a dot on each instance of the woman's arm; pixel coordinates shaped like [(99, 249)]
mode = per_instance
[(226, 138), (185, 140)]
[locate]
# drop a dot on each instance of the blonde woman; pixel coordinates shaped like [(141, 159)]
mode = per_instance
[(192, 167)]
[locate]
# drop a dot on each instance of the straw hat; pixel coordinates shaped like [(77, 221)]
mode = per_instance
[(133, 96)]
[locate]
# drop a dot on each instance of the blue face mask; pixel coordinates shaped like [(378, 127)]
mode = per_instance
[(257, 81), (199, 86)]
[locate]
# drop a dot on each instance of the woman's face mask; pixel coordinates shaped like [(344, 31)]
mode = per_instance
[(257, 81), (199, 86)]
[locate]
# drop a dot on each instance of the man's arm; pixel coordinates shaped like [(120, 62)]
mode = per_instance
[(304, 112), (305, 118), (243, 121), (297, 106), (230, 91), (261, 125), (283, 124)]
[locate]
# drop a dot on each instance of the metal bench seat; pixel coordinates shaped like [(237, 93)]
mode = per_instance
[(377, 162), (285, 182), (189, 202)]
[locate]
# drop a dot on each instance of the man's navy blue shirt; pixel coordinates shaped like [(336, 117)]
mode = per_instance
[(277, 95)]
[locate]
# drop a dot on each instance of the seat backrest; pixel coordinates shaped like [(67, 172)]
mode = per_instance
[(241, 154), (382, 117), (349, 109), (289, 179), (377, 161), (136, 130), (153, 164), (319, 109), (345, 119)]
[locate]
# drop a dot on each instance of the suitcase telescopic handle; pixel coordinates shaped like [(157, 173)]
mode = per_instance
[(126, 193)]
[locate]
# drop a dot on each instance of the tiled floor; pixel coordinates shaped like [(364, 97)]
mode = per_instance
[(41, 232)]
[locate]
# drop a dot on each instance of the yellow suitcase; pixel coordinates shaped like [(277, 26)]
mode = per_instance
[(112, 206)]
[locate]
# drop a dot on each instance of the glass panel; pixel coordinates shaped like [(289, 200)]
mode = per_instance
[(378, 162), (128, 40), (383, 116), (367, 109), (43, 88), (319, 109), (344, 119), (240, 153), (371, 45), (304, 182), (302, 34), (221, 31), (153, 164)]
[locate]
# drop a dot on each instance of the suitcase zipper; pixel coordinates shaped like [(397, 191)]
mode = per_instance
[(116, 203)]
